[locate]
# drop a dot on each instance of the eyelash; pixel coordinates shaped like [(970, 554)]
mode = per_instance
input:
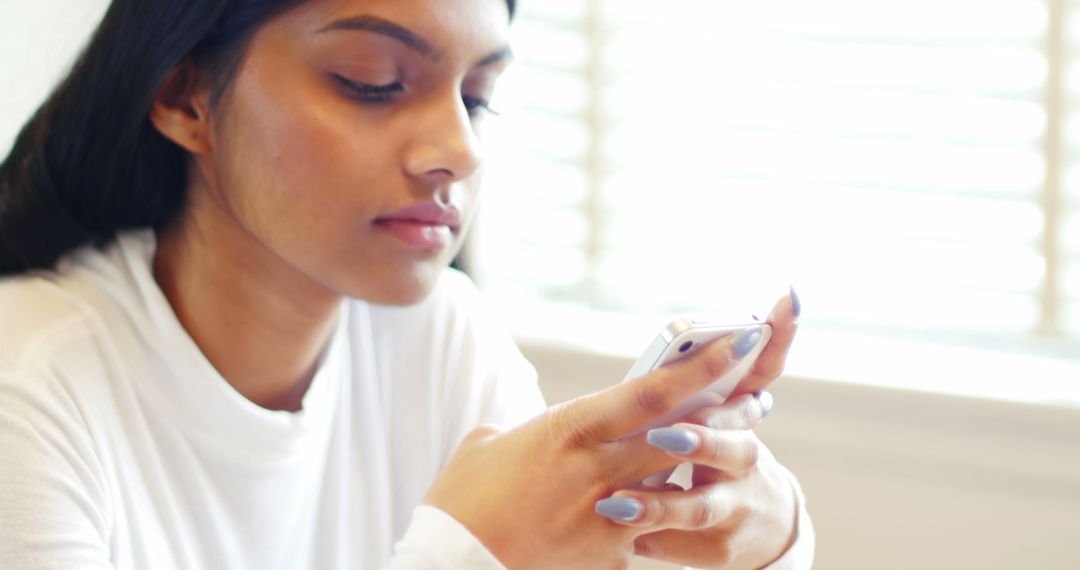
[(367, 93), (375, 94), (475, 104)]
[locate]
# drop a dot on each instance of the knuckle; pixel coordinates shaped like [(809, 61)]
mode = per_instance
[(716, 362), (644, 547), (607, 471), (567, 426), (753, 453), (747, 412), (713, 417), (657, 512), (652, 398), (715, 447), (710, 419), (705, 513), (741, 413)]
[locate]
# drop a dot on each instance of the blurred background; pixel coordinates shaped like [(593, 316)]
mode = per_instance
[(913, 168)]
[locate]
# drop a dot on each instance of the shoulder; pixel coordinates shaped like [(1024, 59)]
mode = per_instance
[(39, 317), (50, 359), (52, 472), (59, 325)]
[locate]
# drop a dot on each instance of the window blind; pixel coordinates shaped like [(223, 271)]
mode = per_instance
[(911, 167)]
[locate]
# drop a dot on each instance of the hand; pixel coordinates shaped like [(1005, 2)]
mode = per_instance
[(741, 511), (529, 494)]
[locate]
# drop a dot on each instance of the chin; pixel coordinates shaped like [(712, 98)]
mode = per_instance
[(401, 298), (398, 289)]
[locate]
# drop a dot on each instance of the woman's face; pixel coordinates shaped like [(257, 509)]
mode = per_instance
[(346, 148)]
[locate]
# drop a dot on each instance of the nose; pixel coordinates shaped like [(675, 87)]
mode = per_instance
[(445, 146)]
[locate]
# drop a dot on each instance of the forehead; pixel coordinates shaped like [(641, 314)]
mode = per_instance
[(451, 26)]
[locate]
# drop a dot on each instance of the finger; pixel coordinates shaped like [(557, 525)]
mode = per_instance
[(732, 451), (661, 485), (740, 412), (699, 508), (685, 548), (658, 480), (770, 363), (650, 458), (640, 464), (620, 409)]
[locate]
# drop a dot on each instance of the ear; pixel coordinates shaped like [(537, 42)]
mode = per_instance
[(180, 111)]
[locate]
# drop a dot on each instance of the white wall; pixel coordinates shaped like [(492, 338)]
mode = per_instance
[(38, 42), (899, 480)]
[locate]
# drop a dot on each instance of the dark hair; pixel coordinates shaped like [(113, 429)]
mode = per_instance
[(89, 163)]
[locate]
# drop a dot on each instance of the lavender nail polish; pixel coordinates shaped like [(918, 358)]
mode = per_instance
[(796, 305), (675, 440), (619, 508), (746, 341)]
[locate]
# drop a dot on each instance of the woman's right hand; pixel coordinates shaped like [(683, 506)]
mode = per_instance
[(529, 493)]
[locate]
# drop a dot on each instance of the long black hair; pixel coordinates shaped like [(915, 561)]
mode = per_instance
[(89, 163)]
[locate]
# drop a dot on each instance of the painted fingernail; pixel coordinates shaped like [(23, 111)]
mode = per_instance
[(675, 440), (766, 401), (746, 341), (619, 508), (796, 306)]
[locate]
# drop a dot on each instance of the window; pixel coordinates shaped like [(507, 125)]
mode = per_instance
[(911, 167)]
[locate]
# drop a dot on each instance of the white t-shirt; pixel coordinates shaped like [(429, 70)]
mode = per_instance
[(121, 447)]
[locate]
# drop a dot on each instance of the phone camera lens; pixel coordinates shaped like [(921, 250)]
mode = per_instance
[(686, 346)]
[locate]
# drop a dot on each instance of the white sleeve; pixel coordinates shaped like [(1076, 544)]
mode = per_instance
[(436, 541), (52, 503)]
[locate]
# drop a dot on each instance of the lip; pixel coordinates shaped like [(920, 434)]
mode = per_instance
[(426, 225), (428, 212)]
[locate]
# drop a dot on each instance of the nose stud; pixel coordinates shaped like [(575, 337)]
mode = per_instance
[(442, 197)]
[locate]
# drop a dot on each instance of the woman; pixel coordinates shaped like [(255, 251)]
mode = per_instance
[(231, 340)]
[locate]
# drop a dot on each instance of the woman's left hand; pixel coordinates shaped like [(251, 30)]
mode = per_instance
[(742, 510)]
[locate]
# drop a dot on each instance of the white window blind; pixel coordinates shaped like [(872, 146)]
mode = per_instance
[(912, 167)]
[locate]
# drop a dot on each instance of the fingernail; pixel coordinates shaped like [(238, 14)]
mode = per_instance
[(746, 341), (675, 440), (619, 508), (796, 306), (766, 401)]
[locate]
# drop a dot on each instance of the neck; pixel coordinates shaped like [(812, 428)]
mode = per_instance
[(260, 323)]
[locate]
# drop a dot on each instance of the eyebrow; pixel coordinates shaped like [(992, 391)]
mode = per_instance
[(411, 39), (502, 54), (385, 28)]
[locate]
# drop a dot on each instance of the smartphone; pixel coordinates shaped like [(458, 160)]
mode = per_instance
[(683, 337)]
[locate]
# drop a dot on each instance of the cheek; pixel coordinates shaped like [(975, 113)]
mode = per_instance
[(300, 165)]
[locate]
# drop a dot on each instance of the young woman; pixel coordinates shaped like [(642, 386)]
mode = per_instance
[(230, 339)]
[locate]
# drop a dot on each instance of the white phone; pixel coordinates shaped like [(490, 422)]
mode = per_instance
[(684, 336)]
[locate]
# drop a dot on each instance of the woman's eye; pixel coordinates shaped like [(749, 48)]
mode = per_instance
[(368, 93), (474, 105)]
